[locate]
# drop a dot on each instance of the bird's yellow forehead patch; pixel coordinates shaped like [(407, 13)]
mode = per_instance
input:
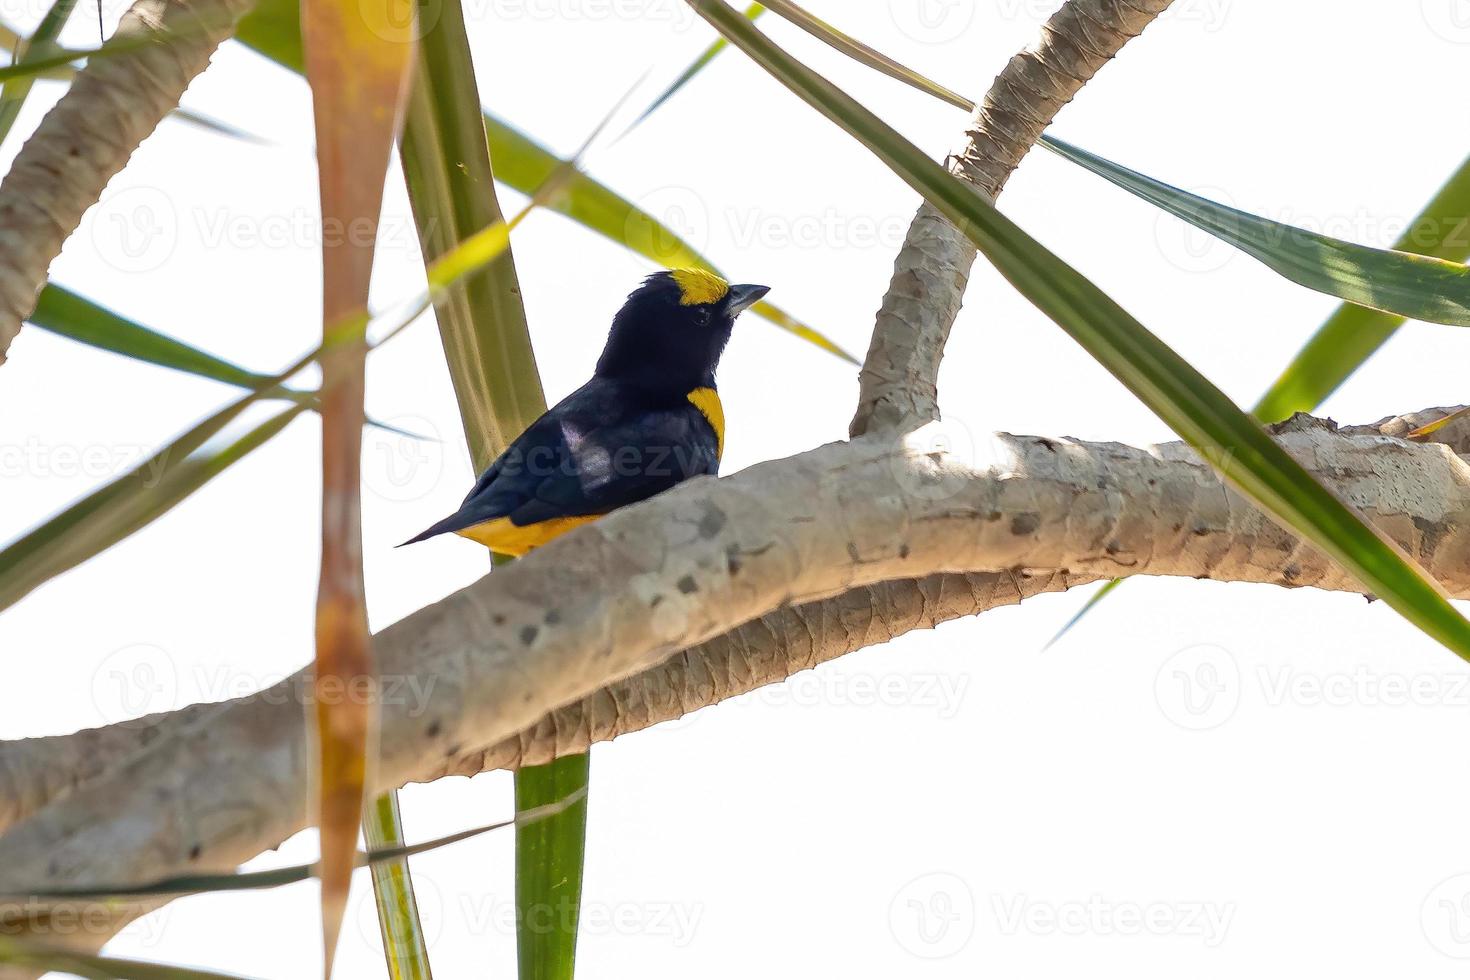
[(698, 287)]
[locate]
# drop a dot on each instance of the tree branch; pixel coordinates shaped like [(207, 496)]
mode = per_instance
[(767, 650), (899, 376), (88, 136), (219, 784), (764, 651)]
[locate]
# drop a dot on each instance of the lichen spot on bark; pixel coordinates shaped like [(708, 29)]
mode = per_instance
[(712, 523), (1023, 524)]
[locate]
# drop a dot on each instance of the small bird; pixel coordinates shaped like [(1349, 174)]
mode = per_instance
[(650, 418)]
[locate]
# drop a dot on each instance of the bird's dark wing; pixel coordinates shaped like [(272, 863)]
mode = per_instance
[(602, 447)]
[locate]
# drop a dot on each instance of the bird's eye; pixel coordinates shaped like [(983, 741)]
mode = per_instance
[(701, 317)]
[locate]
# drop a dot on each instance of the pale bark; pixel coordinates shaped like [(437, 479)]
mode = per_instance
[(87, 137), (899, 377), (33, 772), (764, 651), (36, 771), (697, 563)]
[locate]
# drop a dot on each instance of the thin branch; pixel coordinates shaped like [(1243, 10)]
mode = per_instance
[(899, 376), (88, 136)]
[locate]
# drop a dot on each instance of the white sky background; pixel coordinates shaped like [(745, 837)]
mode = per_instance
[(952, 804)]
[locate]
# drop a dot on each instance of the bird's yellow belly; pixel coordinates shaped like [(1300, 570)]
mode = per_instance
[(505, 537)]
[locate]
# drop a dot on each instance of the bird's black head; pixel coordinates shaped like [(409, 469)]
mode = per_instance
[(672, 329)]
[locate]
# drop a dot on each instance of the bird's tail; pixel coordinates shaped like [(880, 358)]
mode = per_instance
[(454, 522)]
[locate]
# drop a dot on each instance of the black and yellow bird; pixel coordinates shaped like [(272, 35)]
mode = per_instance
[(650, 418)]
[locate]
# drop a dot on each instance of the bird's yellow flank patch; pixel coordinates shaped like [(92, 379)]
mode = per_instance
[(697, 287), (707, 400), (504, 536)]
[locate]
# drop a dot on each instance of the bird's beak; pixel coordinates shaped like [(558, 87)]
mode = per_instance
[(744, 296)]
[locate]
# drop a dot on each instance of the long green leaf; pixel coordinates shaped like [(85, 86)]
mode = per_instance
[(1353, 333), (13, 95), (209, 124), (75, 317), (1418, 287), (448, 165), (549, 868), (1340, 346), (860, 52), (404, 945), (1087, 607), (70, 315), (145, 493), (131, 502), (41, 957), (695, 67), (140, 496), (451, 203), (521, 163), (44, 64), (1231, 440), (271, 29), (11, 39), (482, 323), (452, 190), (1421, 278)]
